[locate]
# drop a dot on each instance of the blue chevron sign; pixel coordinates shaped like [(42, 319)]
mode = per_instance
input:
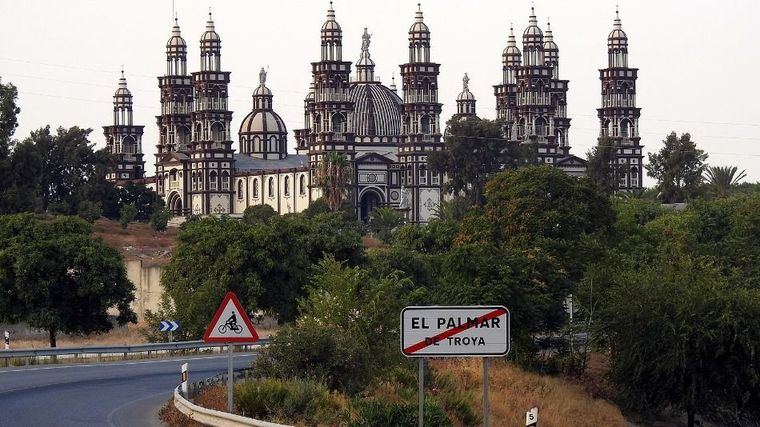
[(169, 326)]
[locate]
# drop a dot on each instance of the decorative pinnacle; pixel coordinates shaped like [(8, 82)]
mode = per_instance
[(465, 82)]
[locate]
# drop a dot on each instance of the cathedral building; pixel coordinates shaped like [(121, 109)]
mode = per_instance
[(386, 136), (532, 98), (618, 115)]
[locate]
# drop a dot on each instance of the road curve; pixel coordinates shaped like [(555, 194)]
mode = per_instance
[(106, 394)]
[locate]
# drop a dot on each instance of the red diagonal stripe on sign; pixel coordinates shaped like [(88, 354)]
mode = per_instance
[(453, 331)]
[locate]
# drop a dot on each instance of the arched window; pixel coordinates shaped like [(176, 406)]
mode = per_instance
[(540, 126), (255, 188), (318, 123), (240, 189), (286, 188), (425, 125), (270, 185), (128, 145), (213, 181), (338, 123), (225, 180), (217, 132), (183, 137), (302, 185), (560, 138), (624, 128), (194, 179)]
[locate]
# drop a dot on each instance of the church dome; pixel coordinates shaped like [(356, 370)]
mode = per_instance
[(377, 110), (533, 37), (617, 39), (122, 90), (262, 122), (210, 35), (176, 42), (419, 31)]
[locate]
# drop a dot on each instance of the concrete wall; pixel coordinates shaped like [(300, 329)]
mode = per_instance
[(147, 280)]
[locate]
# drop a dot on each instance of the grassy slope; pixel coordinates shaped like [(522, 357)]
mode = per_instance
[(513, 391)]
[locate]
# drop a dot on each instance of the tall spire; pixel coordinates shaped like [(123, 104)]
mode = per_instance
[(332, 38), (419, 38), (617, 25)]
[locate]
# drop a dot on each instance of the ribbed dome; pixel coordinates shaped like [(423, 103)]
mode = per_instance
[(210, 35), (331, 27), (262, 122), (533, 36), (617, 39), (176, 42), (262, 91), (122, 91), (419, 30), (466, 95), (511, 57), (377, 110)]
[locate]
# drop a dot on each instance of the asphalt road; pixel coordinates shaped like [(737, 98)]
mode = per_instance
[(106, 394)]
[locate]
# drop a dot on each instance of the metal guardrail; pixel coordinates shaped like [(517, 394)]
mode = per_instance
[(116, 350)]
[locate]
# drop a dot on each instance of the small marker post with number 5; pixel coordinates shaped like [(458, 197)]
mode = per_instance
[(455, 331)]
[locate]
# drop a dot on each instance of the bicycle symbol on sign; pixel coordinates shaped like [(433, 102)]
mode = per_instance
[(230, 324)]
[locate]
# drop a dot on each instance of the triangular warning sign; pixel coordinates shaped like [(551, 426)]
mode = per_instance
[(230, 323)]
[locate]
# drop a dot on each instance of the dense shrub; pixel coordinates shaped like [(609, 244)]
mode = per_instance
[(258, 213), (382, 413), (288, 401), (320, 352)]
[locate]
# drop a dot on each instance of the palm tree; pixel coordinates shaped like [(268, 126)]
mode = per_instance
[(334, 178), (383, 221), (723, 177)]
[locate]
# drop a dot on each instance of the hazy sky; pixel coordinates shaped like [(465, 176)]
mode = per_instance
[(698, 59)]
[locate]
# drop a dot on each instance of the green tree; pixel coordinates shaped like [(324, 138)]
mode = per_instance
[(347, 333), (8, 117), (334, 178), (722, 178), (541, 206), (383, 221), (145, 200), (475, 150), (127, 214), (159, 219), (258, 214), (683, 336), (678, 168), (266, 264), (90, 211), (602, 165), (55, 276)]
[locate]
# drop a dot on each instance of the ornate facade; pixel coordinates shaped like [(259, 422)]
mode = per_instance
[(385, 137), (618, 115), (532, 98)]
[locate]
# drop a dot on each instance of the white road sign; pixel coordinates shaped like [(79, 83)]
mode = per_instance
[(456, 331)]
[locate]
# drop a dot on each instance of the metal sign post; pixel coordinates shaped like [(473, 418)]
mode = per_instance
[(229, 378), (421, 392), (455, 331), (485, 391)]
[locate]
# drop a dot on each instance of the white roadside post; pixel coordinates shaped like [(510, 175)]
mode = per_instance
[(184, 381), (531, 417), (7, 340), (230, 325), (455, 331)]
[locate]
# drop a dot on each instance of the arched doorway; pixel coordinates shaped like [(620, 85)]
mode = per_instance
[(175, 204), (370, 200)]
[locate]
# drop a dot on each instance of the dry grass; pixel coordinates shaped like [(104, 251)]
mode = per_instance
[(214, 397), (119, 336), (513, 391), (138, 240)]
